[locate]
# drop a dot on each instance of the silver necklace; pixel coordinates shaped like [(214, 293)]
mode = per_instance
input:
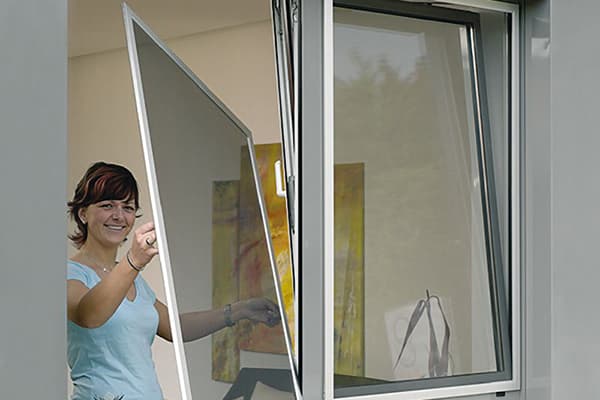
[(108, 270), (101, 265)]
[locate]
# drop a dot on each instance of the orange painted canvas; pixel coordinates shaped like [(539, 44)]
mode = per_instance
[(256, 278)]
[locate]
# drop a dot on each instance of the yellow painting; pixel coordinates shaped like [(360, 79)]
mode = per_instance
[(238, 241), (256, 278), (349, 231), (225, 247)]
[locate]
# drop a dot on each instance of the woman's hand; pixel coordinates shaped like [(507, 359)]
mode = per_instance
[(260, 309), (198, 324), (142, 247)]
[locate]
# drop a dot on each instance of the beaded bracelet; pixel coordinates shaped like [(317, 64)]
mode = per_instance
[(132, 265)]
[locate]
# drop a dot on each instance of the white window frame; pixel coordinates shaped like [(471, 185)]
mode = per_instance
[(514, 207)]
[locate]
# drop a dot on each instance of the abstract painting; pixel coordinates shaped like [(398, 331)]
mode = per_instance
[(238, 242), (349, 193), (256, 278), (225, 247)]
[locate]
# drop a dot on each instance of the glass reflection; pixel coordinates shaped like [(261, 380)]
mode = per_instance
[(412, 288), (214, 228)]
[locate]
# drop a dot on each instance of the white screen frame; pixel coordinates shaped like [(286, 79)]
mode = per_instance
[(130, 18)]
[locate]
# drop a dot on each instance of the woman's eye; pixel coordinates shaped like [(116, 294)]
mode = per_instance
[(128, 209), (106, 205)]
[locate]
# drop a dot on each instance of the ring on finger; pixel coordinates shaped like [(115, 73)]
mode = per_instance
[(148, 242)]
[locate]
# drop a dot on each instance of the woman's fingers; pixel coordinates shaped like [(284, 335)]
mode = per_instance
[(145, 234), (150, 239), (142, 248), (273, 318), (145, 228), (272, 306), (264, 310)]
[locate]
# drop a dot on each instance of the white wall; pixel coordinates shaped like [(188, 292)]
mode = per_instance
[(236, 63), (33, 106), (575, 219)]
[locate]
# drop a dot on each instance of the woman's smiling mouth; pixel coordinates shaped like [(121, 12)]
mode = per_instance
[(117, 228)]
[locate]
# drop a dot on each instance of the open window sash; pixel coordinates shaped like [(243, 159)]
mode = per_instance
[(285, 38)]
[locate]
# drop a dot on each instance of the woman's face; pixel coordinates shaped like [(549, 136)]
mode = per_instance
[(109, 221)]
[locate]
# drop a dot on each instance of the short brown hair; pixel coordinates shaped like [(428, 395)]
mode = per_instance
[(102, 181)]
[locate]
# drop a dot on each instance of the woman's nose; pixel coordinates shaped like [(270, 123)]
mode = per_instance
[(117, 213)]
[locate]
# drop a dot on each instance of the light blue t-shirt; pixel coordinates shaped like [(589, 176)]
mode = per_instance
[(115, 358)]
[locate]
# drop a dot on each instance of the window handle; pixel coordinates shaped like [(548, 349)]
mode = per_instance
[(279, 179)]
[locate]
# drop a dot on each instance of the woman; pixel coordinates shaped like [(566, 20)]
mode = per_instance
[(113, 314)]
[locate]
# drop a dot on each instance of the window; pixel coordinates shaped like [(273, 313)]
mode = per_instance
[(419, 290), (421, 207)]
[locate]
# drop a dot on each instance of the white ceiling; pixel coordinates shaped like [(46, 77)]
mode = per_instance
[(97, 25)]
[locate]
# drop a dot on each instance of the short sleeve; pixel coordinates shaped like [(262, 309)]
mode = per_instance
[(78, 272), (148, 292)]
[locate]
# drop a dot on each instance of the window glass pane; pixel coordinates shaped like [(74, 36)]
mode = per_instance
[(413, 292), (214, 229)]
